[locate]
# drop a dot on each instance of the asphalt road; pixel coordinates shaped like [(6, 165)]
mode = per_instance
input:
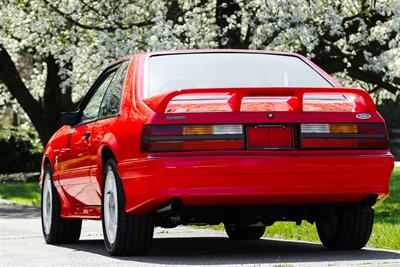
[(21, 244)]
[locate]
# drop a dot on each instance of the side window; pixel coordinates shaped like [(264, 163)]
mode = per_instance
[(112, 99), (91, 110)]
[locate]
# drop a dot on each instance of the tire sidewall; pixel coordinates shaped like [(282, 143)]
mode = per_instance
[(48, 237), (121, 203), (347, 235)]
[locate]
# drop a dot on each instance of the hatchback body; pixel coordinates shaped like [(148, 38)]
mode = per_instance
[(244, 138)]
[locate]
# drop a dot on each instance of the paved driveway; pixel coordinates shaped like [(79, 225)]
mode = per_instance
[(21, 244)]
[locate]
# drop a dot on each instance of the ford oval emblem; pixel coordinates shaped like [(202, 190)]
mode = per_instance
[(363, 116)]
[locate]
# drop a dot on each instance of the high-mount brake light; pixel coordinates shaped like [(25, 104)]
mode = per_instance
[(344, 136), (168, 138)]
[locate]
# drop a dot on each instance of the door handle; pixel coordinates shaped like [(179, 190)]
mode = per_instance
[(87, 135)]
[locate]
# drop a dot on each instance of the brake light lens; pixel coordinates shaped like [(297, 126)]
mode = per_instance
[(168, 138), (344, 136)]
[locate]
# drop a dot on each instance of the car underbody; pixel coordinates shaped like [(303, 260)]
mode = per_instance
[(174, 213)]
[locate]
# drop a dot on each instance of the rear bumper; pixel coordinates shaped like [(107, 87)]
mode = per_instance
[(254, 180)]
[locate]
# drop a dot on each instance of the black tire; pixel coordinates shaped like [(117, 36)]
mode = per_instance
[(350, 228), (244, 232), (134, 233), (62, 231)]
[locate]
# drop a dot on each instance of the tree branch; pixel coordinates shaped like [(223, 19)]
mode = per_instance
[(374, 78), (232, 38), (10, 77), (69, 19), (176, 11), (351, 24)]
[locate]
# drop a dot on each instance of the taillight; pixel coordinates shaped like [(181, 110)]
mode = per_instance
[(163, 138), (344, 136)]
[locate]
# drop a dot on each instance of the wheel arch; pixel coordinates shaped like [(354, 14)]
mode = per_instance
[(48, 158), (107, 150), (106, 154)]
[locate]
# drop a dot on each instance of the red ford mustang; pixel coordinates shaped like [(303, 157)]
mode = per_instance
[(244, 138)]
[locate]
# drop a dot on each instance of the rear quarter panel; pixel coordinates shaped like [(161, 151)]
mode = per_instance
[(121, 134)]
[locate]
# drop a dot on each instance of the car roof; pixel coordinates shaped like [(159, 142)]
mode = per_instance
[(199, 51)]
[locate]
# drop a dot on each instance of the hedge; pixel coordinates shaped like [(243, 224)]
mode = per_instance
[(20, 150)]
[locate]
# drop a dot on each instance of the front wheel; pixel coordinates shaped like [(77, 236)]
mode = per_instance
[(56, 230), (349, 228), (244, 232), (124, 234)]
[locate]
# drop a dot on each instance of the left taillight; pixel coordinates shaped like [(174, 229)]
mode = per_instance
[(344, 136), (169, 138)]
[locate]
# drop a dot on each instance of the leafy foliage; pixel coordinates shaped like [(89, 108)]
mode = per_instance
[(390, 110), (20, 150), (67, 42)]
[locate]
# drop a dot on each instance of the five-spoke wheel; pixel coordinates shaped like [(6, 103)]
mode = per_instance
[(56, 229), (124, 234)]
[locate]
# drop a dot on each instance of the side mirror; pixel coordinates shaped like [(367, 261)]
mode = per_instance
[(68, 118)]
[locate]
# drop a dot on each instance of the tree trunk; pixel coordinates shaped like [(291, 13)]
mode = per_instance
[(10, 77), (44, 113)]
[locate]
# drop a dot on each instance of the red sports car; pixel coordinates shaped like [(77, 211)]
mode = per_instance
[(239, 137)]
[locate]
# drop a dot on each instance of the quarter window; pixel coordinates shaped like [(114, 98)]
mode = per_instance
[(91, 111), (112, 98)]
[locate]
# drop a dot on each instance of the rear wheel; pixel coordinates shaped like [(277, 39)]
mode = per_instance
[(56, 230), (244, 232), (349, 228), (124, 234)]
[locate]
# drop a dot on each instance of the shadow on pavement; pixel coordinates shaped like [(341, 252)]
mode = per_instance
[(14, 211), (220, 250), (215, 250)]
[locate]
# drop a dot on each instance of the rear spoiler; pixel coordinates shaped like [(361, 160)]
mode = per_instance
[(363, 102)]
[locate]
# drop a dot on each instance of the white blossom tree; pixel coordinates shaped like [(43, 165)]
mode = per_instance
[(68, 42)]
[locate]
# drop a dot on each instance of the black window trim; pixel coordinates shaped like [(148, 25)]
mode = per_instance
[(120, 100), (103, 75)]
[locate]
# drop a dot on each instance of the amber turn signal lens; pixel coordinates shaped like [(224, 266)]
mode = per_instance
[(215, 129), (198, 129), (343, 128)]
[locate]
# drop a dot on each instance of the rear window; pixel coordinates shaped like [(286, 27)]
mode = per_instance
[(228, 70)]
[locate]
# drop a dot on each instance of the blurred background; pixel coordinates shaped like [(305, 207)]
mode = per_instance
[(51, 51)]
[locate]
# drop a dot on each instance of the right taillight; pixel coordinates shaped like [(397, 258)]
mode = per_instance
[(343, 136)]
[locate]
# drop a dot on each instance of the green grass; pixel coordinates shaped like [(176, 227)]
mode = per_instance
[(386, 231), (385, 234), (24, 193)]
